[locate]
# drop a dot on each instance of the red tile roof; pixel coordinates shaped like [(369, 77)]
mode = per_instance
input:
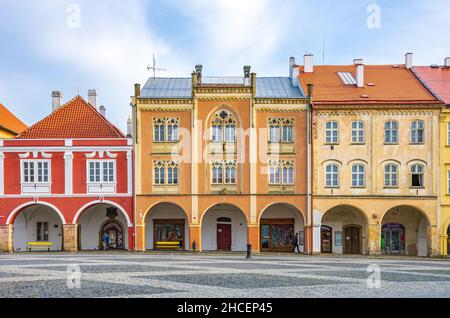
[(382, 84), (76, 119), (10, 122), (437, 79)]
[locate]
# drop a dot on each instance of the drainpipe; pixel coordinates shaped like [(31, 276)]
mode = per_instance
[(134, 110), (309, 176)]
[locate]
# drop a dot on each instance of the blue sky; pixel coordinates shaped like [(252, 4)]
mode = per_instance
[(46, 45)]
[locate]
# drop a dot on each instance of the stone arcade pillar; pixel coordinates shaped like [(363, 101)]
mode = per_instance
[(374, 236), (6, 238), (253, 237), (70, 237), (140, 237), (433, 241), (444, 239), (195, 231)]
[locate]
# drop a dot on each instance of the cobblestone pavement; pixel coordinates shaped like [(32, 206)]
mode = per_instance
[(186, 276)]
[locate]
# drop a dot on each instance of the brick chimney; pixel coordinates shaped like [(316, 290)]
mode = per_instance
[(56, 99)]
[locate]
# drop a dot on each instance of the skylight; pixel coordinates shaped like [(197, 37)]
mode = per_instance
[(347, 78)]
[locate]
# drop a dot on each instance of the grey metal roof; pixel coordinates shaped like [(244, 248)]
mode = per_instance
[(266, 87), (167, 87), (276, 87)]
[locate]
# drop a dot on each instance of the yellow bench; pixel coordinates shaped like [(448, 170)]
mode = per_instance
[(47, 245), (168, 245)]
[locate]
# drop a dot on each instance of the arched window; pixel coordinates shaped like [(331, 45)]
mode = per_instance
[(274, 131), (172, 130), (159, 130), (417, 132), (172, 173), (159, 172), (417, 175), (358, 176), (391, 132), (332, 132), (217, 172), (288, 172), (332, 176), (281, 130), (391, 175), (288, 130), (358, 132), (223, 127), (274, 172), (230, 172)]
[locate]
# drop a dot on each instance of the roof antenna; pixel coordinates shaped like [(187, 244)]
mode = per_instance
[(154, 68), (323, 50)]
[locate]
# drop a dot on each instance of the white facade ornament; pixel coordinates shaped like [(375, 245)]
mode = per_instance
[(111, 155), (24, 155), (45, 155), (91, 155)]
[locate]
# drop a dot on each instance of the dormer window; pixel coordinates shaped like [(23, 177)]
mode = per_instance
[(347, 78)]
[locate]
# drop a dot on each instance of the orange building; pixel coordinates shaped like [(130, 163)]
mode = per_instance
[(221, 162)]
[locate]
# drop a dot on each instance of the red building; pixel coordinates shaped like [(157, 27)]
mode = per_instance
[(66, 182)]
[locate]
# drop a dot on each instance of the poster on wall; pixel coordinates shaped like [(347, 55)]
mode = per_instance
[(338, 238)]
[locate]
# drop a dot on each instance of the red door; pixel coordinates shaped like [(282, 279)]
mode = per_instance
[(224, 237)]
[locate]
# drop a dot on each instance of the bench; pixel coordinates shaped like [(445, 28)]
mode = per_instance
[(46, 245), (168, 245)]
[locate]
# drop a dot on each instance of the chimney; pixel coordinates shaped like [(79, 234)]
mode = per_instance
[(247, 69), (308, 62), (359, 72), (129, 127), (92, 97), (291, 67), (56, 99), (447, 62), (102, 110), (198, 71), (408, 60)]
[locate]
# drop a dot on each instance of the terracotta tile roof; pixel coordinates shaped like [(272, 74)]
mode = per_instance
[(437, 79), (10, 122), (76, 119), (382, 84)]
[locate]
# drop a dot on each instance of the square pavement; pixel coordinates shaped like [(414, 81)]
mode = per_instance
[(39, 275)]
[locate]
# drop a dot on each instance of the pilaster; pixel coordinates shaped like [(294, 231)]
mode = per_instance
[(374, 236)]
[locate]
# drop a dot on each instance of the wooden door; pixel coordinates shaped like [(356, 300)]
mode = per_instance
[(352, 240), (224, 237)]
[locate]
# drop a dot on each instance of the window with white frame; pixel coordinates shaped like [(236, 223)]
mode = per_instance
[(223, 127), (101, 171), (358, 132), (332, 176), (35, 171), (281, 172), (166, 173), (391, 132), (417, 175), (166, 129), (417, 132), (281, 130), (42, 232), (223, 172), (332, 132), (358, 176), (391, 175)]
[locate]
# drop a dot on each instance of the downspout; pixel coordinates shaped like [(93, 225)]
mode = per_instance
[(309, 175), (137, 93)]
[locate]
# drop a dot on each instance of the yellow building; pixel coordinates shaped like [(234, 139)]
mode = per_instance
[(10, 125), (437, 79), (375, 159)]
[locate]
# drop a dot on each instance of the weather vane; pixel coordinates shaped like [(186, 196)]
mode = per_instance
[(154, 68)]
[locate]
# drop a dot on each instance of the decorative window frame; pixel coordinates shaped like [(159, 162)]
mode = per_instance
[(165, 165), (229, 119), (281, 122), (281, 165), (166, 122), (223, 165)]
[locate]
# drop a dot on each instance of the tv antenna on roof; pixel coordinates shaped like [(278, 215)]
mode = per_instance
[(154, 68)]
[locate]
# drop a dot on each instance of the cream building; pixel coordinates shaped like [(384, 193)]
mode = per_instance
[(375, 159)]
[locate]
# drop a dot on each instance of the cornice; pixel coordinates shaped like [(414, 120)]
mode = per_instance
[(373, 112), (376, 106), (223, 90), (280, 108)]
